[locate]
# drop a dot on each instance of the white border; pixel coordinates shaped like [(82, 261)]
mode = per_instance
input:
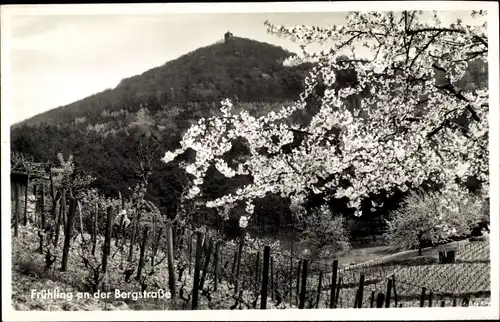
[(492, 312)]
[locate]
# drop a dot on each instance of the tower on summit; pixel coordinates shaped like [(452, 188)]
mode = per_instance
[(227, 36)]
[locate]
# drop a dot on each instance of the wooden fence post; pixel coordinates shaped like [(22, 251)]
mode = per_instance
[(303, 290), (216, 265), (443, 303), (430, 299), (372, 299), (291, 270), (34, 216), (156, 243), (135, 231), (318, 295), (271, 286), (95, 227), (42, 210), (238, 266), (395, 293), (454, 302), (60, 218), (422, 297), (107, 240), (388, 296), (338, 292), (257, 268), (142, 253), (334, 283), (54, 216), (16, 209), (361, 290), (380, 300), (197, 264), (207, 262), (170, 260), (153, 238), (26, 200), (64, 201), (79, 206), (190, 251), (265, 278), (67, 235), (297, 288), (233, 267)]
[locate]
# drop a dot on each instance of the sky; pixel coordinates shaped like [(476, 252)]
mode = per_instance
[(57, 58)]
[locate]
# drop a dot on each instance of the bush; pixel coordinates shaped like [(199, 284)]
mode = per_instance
[(324, 233)]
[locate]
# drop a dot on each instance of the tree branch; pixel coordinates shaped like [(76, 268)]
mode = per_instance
[(424, 48), (416, 31)]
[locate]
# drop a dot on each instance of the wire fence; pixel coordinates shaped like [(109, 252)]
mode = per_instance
[(308, 284)]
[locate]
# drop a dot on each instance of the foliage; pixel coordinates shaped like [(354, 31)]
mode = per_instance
[(433, 218), (66, 178), (406, 133), (324, 233)]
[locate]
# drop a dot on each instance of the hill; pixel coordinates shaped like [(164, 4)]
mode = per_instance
[(249, 70), (120, 134)]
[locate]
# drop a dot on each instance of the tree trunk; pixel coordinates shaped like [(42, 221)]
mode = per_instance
[(67, 234)]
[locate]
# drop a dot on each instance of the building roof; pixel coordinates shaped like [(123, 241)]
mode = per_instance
[(20, 170)]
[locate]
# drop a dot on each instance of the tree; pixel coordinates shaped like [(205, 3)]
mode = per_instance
[(325, 233), (430, 218), (66, 181), (405, 133)]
